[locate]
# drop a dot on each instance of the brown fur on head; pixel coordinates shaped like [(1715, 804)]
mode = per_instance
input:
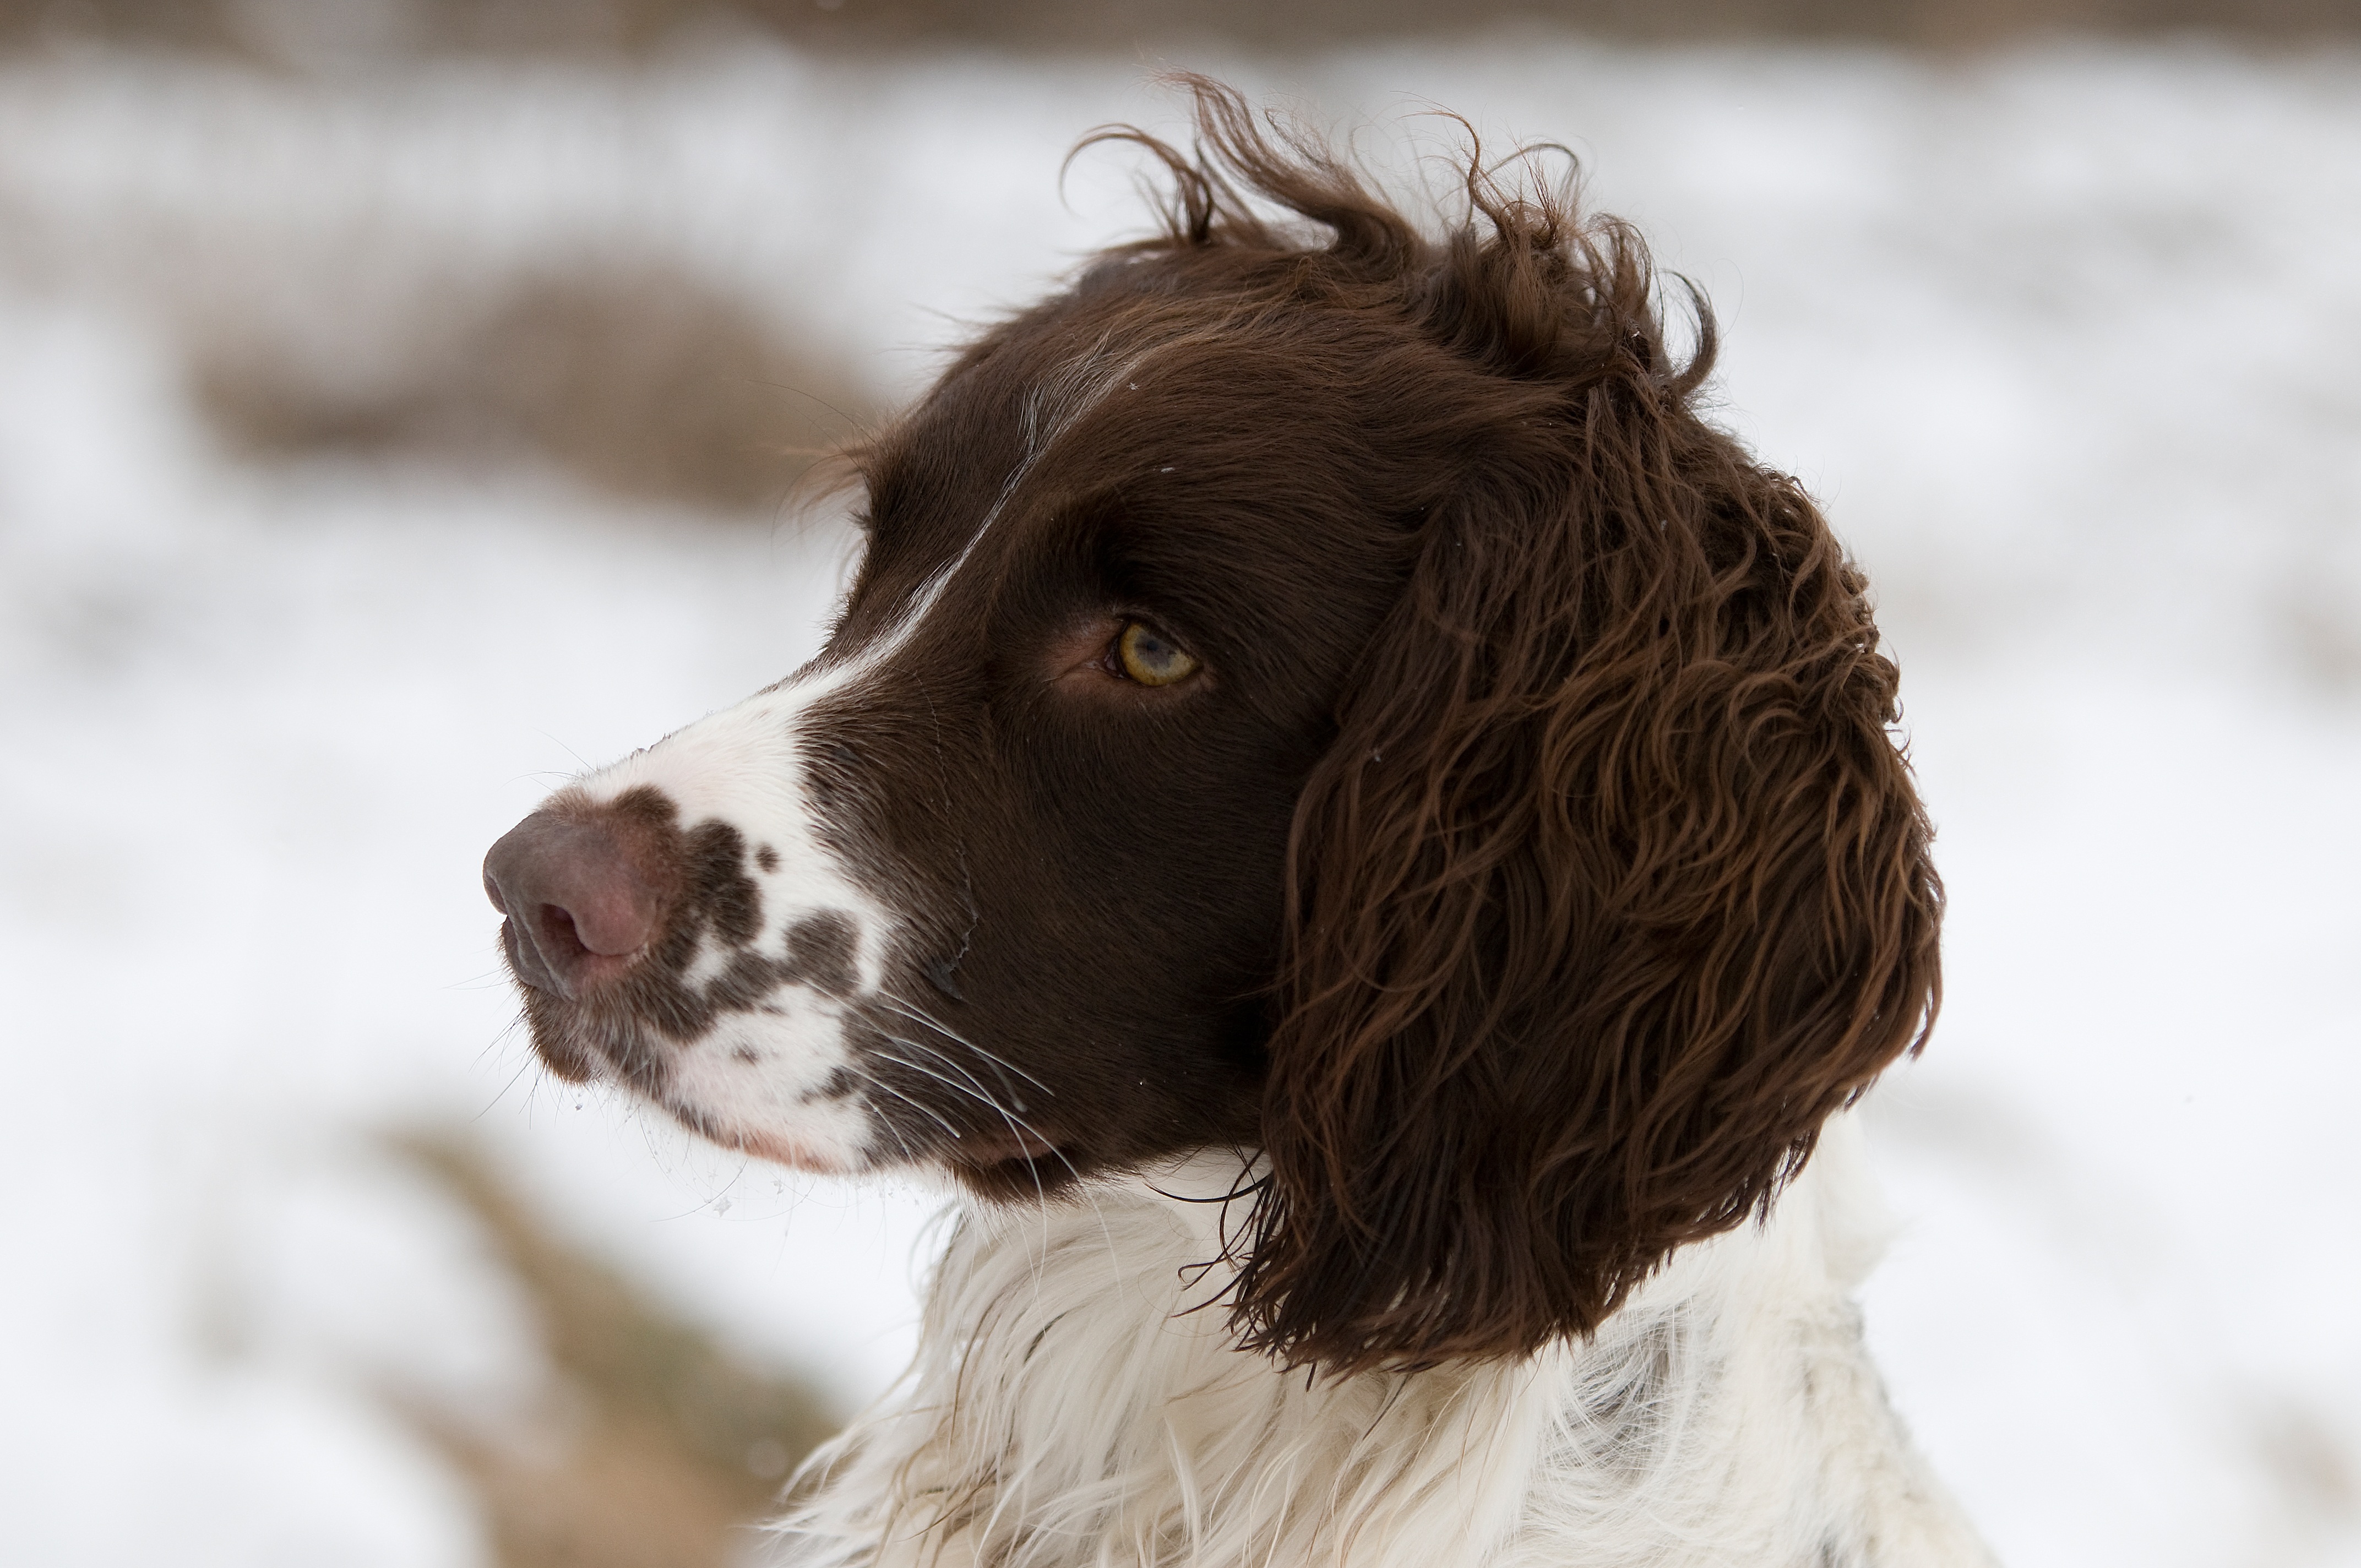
[(1522, 861), (1612, 885)]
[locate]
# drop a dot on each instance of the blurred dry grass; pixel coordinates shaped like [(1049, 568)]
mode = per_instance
[(662, 1449), (639, 377), (267, 27)]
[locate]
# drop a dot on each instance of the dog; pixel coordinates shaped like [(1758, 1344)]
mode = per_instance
[(1365, 835)]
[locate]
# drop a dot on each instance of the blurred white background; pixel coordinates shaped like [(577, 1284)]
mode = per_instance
[(301, 606)]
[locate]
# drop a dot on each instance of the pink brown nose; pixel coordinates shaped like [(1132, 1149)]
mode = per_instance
[(577, 908)]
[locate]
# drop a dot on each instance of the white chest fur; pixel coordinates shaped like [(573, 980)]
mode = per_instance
[(1069, 1407)]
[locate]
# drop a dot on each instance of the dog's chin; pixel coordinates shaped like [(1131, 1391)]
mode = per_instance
[(814, 1142), (565, 1047), (561, 1054), (774, 1147)]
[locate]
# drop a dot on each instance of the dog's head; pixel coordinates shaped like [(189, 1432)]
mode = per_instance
[(1334, 699)]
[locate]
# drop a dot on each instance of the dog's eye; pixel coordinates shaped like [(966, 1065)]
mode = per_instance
[(1148, 656)]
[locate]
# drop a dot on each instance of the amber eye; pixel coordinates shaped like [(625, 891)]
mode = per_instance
[(1151, 658)]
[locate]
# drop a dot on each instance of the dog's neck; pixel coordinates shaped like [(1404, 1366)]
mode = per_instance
[(1078, 1400)]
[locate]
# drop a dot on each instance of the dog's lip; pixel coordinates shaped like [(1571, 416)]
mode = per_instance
[(524, 964), (1003, 1146)]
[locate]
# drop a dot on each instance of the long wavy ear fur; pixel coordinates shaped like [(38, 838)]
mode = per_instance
[(1613, 885)]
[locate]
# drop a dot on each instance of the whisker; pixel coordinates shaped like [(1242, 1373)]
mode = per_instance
[(1082, 1186), (977, 1092), (908, 1154), (876, 1083), (1020, 1127), (1017, 1125), (917, 1015), (974, 1085)]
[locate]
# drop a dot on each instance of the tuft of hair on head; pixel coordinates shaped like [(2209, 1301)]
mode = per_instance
[(1613, 885)]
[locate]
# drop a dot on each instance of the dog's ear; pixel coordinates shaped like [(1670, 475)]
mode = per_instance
[(1612, 888)]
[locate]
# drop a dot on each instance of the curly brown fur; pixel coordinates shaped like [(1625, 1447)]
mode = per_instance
[(1527, 873), (1612, 884)]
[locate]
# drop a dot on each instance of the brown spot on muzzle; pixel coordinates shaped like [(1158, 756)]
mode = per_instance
[(820, 953), (609, 905)]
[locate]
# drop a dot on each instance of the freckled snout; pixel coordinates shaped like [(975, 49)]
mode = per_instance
[(577, 908)]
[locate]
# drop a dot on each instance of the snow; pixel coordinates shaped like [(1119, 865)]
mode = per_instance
[(2061, 338)]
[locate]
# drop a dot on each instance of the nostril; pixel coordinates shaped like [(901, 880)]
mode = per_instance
[(612, 916), (557, 937)]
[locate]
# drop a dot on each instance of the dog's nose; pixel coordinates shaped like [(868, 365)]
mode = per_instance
[(577, 908)]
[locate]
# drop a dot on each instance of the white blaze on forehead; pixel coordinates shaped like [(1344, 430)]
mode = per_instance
[(1049, 409)]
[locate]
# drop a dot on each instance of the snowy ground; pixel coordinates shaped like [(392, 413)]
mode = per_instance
[(2064, 340)]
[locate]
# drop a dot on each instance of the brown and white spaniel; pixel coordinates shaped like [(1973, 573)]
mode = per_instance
[(1364, 834)]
